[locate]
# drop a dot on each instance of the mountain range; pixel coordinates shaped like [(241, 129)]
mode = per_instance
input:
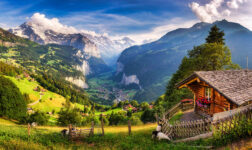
[(93, 45), (149, 66)]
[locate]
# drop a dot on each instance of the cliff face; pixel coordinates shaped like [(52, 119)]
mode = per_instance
[(80, 82)]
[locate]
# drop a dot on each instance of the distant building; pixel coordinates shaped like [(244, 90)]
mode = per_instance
[(129, 106)]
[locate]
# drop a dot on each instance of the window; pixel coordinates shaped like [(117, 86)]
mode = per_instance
[(207, 93)]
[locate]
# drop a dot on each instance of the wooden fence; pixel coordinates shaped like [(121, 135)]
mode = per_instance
[(80, 133), (187, 128), (199, 127), (225, 125), (180, 106)]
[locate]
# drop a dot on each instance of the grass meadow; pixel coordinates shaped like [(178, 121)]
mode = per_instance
[(13, 136)]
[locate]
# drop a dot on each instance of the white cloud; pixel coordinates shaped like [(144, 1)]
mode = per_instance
[(40, 23), (207, 12), (235, 3), (233, 10)]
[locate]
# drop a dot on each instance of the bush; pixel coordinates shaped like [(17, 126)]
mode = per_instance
[(12, 102), (129, 113), (38, 117), (69, 116), (148, 116), (117, 119), (144, 106), (135, 121), (87, 120)]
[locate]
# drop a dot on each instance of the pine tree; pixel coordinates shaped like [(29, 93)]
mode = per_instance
[(215, 36)]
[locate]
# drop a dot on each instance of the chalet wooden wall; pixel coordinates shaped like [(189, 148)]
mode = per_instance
[(219, 102)]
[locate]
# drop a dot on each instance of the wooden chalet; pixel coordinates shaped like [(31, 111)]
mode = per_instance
[(218, 91)]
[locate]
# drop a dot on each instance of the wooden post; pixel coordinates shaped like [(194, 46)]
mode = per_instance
[(102, 125), (28, 129), (157, 119), (70, 131), (129, 126), (92, 128)]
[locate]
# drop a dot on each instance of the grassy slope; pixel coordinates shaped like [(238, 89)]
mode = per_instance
[(15, 137), (110, 111), (45, 105)]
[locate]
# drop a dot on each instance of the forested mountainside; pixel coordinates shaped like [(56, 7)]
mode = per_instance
[(91, 62), (149, 66), (56, 60)]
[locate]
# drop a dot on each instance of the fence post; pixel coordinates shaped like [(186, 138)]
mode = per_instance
[(28, 129), (92, 128), (157, 119), (102, 125), (129, 126), (70, 131)]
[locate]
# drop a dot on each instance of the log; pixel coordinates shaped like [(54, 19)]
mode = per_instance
[(197, 137)]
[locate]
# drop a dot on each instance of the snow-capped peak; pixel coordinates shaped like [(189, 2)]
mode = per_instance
[(40, 24), (44, 30)]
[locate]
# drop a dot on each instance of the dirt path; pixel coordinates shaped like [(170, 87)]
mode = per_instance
[(31, 104), (190, 115)]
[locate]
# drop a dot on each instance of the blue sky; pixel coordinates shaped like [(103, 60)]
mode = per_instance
[(139, 19)]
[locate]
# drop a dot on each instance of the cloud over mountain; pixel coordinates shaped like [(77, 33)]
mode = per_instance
[(41, 23), (215, 9)]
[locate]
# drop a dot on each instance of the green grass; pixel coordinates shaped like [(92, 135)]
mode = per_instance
[(13, 136), (16, 137), (116, 110), (7, 122)]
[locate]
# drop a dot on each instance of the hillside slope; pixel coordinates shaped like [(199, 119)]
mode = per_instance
[(149, 66), (46, 102), (60, 61)]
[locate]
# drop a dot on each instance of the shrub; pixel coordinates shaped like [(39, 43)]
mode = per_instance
[(69, 116), (129, 113), (117, 119), (148, 116), (135, 121), (87, 120), (144, 106), (38, 117)]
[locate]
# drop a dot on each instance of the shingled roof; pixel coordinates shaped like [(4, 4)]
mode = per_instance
[(235, 85)]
